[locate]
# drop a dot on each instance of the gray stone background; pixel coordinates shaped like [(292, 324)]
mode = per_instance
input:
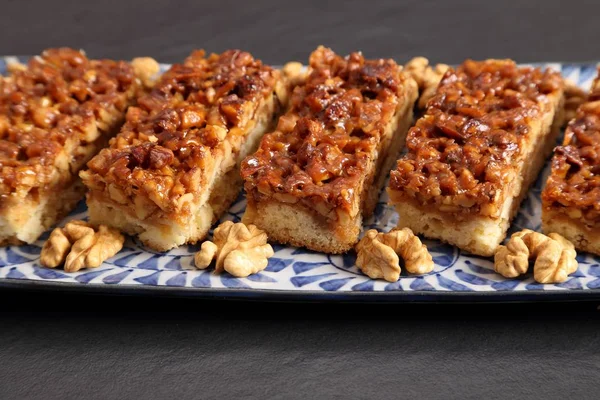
[(73, 346)]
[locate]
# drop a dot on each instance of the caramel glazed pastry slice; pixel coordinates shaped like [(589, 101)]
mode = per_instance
[(473, 155), (318, 175), (174, 167), (571, 197), (56, 112)]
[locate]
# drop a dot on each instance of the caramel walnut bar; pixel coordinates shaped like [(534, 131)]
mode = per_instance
[(173, 169), (318, 175), (571, 198), (473, 155), (56, 112)]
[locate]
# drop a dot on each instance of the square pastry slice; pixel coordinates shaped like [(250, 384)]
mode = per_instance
[(473, 155), (56, 112), (173, 169), (571, 197), (318, 175)]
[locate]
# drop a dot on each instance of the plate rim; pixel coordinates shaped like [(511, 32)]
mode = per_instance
[(391, 296), (303, 295)]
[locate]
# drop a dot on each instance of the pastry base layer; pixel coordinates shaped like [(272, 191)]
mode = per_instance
[(584, 238), (165, 234), (24, 220), (478, 234), (301, 226)]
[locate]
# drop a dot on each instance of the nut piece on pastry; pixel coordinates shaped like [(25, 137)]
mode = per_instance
[(293, 74), (554, 256), (377, 254), (574, 97), (146, 68), (78, 246), (14, 66), (426, 76), (238, 249)]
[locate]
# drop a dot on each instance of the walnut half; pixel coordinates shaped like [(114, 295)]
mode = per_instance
[(554, 256), (427, 77), (78, 245), (377, 254), (238, 249)]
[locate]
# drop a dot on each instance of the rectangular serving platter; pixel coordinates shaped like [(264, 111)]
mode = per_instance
[(300, 275)]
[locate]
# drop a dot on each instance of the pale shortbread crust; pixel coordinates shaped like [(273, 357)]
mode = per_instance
[(26, 219), (583, 237)]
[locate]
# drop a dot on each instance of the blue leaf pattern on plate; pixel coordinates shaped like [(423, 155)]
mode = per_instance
[(505, 285), (151, 279), (472, 279), (277, 264), (174, 264), (88, 276), (202, 280), (261, 278), (366, 286), (47, 273), (301, 266), (116, 278), (151, 263), (334, 284), (300, 281), (177, 280), (233, 282), (452, 285), (14, 273), (572, 283), (421, 284), (393, 286), (295, 269)]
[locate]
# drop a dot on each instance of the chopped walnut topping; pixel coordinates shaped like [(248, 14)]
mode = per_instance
[(78, 245), (553, 254), (324, 143), (238, 249), (196, 115), (49, 109), (463, 151), (377, 254)]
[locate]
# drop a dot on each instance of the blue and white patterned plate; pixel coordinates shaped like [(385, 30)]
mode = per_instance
[(298, 274)]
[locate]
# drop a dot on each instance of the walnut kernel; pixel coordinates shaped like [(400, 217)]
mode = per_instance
[(78, 245), (554, 256)]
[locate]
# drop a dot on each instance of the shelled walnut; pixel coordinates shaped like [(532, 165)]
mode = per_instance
[(427, 77), (238, 249), (553, 254), (377, 254), (78, 245)]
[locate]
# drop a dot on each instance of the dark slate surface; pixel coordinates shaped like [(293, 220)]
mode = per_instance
[(72, 346)]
